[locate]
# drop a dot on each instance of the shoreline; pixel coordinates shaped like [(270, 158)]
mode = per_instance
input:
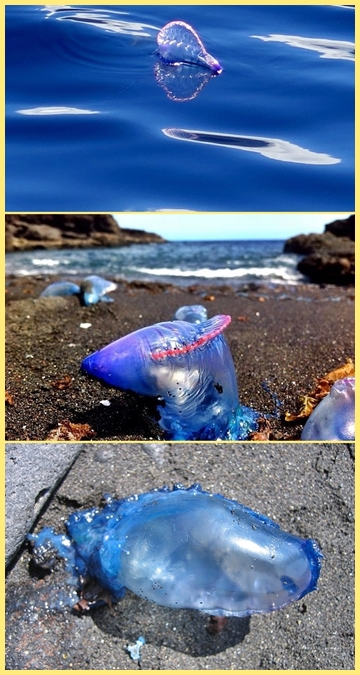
[(31, 285), (280, 339)]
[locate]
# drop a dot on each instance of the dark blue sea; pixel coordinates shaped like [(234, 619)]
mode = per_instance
[(96, 122), (180, 263)]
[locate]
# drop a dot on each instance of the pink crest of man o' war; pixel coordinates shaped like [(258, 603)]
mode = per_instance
[(190, 368), (179, 43), (334, 417), (187, 548)]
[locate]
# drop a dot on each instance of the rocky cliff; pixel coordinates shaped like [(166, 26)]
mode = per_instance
[(329, 257), (54, 231)]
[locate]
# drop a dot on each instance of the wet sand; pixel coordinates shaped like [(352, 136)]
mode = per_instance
[(280, 340)]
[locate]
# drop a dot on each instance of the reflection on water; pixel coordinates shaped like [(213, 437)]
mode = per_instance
[(100, 19), (273, 148), (328, 49), (181, 82), (56, 110)]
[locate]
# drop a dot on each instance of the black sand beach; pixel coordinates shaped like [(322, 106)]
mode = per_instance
[(307, 488), (280, 340)]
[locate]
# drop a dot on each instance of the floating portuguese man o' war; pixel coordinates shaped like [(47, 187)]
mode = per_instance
[(179, 43), (189, 367), (186, 548)]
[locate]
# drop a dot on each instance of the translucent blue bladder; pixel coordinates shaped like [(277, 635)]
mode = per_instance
[(91, 290), (333, 419), (189, 367), (191, 313), (60, 288), (188, 548)]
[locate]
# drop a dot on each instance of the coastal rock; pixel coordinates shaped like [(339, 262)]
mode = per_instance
[(32, 474), (338, 239), (55, 231), (342, 228), (329, 269), (330, 257)]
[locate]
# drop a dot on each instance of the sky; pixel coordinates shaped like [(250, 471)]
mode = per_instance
[(221, 226)]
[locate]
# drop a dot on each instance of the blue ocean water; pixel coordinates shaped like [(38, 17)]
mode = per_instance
[(180, 263), (96, 122)]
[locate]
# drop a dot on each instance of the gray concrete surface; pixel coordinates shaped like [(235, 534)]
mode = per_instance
[(32, 473), (307, 488)]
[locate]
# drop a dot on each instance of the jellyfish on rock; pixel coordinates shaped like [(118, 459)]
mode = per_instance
[(188, 548), (179, 43), (190, 368), (334, 417), (91, 290)]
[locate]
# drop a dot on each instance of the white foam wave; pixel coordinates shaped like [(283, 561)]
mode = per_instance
[(280, 272), (286, 258), (46, 262), (22, 272)]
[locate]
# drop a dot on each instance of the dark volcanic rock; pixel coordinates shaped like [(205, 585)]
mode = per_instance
[(342, 228), (54, 231), (338, 239), (305, 244), (329, 269), (32, 474), (330, 257)]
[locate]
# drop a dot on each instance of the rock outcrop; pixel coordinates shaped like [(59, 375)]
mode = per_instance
[(56, 231), (32, 474), (342, 228), (329, 257), (329, 269)]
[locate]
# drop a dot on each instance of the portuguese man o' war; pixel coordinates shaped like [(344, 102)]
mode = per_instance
[(95, 289), (179, 43), (191, 313), (91, 290), (190, 368), (333, 419), (60, 288), (187, 548)]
